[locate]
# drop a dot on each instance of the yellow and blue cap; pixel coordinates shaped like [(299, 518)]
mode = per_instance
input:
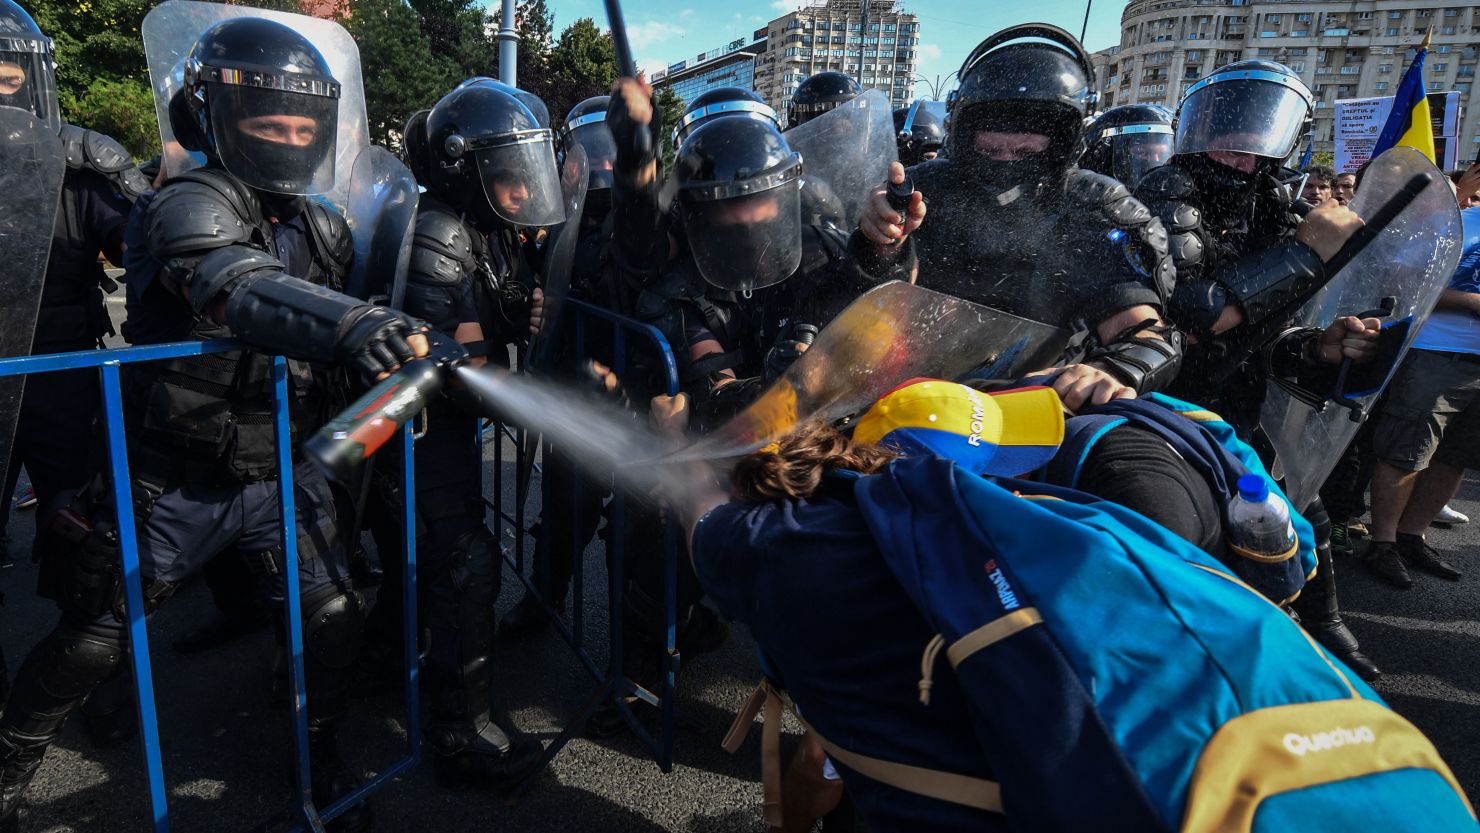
[(1006, 433)]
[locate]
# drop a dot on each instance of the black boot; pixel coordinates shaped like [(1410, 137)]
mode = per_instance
[(111, 714), (469, 748), (52, 682), (1321, 616), (332, 779), (525, 620)]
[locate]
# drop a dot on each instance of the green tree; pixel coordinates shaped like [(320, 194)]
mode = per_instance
[(402, 73), (670, 109), (102, 78), (585, 55), (1323, 157), (459, 30)]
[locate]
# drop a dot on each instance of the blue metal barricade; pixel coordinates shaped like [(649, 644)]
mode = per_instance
[(108, 363), (613, 683)]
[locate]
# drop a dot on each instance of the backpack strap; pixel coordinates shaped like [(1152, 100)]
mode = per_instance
[(770, 702), (952, 787)]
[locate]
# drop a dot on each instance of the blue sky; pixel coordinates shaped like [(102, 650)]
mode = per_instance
[(666, 31)]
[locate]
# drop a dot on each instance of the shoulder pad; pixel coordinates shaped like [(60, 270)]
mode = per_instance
[(330, 234), (1168, 182), (194, 213), (100, 153), (1109, 197), (441, 248)]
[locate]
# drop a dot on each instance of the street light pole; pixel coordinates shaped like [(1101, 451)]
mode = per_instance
[(508, 47)]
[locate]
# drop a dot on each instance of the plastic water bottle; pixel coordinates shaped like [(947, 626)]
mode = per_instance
[(1258, 520)]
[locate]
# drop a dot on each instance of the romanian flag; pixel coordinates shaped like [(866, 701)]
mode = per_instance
[(1408, 123)]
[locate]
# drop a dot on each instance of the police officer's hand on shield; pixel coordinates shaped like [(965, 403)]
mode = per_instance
[(1348, 337), (881, 223)]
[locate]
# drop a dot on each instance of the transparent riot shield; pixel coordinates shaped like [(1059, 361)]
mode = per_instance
[(172, 28), (846, 154), (1398, 276), (891, 334), (560, 250), (381, 213), (32, 163)]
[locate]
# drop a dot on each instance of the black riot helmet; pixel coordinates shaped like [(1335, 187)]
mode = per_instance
[(1025, 83), (922, 131), (414, 149), (1248, 108), (1127, 141), (585, 125), (722, 101), (740, 200), (266, 104), (488, 155), (817, 94), (27, 67), (535, 104)]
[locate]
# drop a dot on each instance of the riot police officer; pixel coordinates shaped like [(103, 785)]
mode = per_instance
[(100, 184), (572, 501), (59, 409), (722, 101), (1014, 225), (1126, 142), (818, 94), (1243, 255), (490, 171), (920, 131), (232, 250)]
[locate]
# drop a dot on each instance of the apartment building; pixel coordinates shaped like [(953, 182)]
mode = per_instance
[(875, 41), (1340, 48)]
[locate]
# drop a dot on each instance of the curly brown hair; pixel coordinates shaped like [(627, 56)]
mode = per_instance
[(794, 466)]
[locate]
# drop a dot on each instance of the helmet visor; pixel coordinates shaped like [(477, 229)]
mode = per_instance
[(601, 151), (275, 140), (1133, 155), (28, 78), (746, 242), (521, 180), (1243, 112)]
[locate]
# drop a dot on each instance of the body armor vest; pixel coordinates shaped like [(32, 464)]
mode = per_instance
[(209, 418)]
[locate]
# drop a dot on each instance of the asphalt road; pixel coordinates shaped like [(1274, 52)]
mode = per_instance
[(226, 750)]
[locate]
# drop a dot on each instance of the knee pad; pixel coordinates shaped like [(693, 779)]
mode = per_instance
[(74, 661), (332, 625)]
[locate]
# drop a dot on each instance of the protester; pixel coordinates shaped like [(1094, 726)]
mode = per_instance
[(1467, 186), (1346, 187), (1428, 428), (1320, 182)]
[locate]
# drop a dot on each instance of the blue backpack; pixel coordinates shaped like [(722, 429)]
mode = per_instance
[(1120, 679), (1204, 440)]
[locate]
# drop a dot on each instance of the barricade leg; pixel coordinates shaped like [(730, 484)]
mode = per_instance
[(133, 593)]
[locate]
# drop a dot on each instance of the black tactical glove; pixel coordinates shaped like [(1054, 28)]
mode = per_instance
[(789, 346), (637, 144), (372, 340)]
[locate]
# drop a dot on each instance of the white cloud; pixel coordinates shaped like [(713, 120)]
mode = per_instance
[(653, 33), (930, 52), (785, 6)]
